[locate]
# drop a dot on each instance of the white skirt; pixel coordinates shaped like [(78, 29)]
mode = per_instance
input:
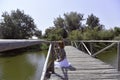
[(63, 63)]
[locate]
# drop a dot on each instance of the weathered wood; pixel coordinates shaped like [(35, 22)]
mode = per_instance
[(116, 41), (86, 48), (84, 67), (46, 62), (118, 56), (72, 43), (91, 48), (103, 49), (75, 44)]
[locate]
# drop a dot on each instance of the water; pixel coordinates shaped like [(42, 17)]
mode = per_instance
[(109, 56), (26, 66)]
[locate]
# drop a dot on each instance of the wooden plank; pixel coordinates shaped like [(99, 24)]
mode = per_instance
[(89, 71)]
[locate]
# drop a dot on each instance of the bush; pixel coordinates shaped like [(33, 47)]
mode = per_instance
[(44, 46), (106, 35), (75, 35)]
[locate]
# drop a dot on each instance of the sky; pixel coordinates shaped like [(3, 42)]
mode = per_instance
[(45, 11)]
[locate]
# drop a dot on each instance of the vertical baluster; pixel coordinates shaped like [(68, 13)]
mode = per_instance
[(91, 47)]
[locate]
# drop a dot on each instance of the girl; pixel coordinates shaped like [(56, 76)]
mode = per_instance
[(62, 59)]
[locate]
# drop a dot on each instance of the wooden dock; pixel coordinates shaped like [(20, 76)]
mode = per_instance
[(84, 67)]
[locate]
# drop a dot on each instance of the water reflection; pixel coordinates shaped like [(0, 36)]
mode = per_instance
[(27, 66), (37, 61)]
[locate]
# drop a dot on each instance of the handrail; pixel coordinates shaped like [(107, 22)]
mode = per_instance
[(103, 49), (46, 62), (97, 41), (113, 43)]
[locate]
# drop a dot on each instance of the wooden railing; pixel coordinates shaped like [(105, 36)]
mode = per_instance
[(90, 52), (48, 64)]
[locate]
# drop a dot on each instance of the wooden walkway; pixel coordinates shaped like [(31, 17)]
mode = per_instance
[(84, 67)]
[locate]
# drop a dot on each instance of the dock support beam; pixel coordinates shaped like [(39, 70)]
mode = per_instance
[(118, 56)]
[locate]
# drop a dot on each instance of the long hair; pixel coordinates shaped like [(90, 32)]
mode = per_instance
[(61, 44)]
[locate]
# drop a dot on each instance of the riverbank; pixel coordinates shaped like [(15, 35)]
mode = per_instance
[(14, 52)]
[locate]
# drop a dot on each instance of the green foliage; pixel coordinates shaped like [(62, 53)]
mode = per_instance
[(75, 35), (116, 31), (90, 34), (54, 37), (93, 21), (71, 27), (73, 20), (64, 26), (106, 35), (17, 25), (44, 46), (48, 31), (59, 22), (117, 37), (38, 33), (54, 34)]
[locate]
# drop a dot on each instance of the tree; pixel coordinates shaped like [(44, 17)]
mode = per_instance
[(55, 33), (59, 22), (93, 21), (116, 33), (49, 31), (1, 36), (73, 21), (38, 33), (17, 25)]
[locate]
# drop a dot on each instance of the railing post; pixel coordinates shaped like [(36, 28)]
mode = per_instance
[(91, 47), (118, 56), (72, 43), (82, 47), (76, 44), (53, 58)]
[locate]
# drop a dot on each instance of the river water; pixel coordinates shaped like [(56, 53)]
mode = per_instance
[(26, 66), (109, 57)]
